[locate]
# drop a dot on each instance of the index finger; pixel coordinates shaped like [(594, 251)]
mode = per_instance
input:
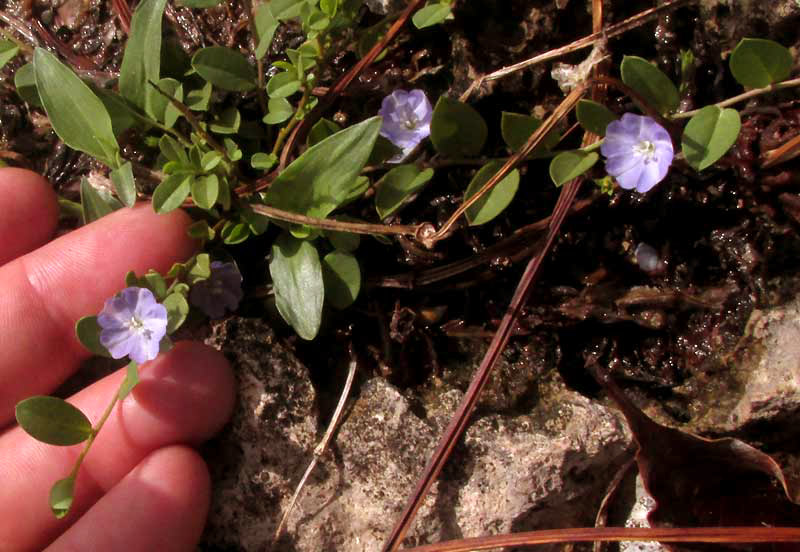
[(45, 292)]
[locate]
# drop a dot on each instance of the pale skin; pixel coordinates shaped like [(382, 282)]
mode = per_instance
[(142, 487)]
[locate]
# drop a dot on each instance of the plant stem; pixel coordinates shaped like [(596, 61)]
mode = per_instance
[(284, 132), (744, 96), (95, 430)]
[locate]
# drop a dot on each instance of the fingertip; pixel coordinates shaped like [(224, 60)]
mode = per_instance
[(29, 210)]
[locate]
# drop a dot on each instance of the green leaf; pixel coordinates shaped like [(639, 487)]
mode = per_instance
[(757, 62), (225, 68), (321, 130), (25, 83), (53, 421), (200, 4), (78, 117), (651, 83), (177, 310), (234, 232), (571, 164), (141, 61), (266, 24), (7, 51), (160, 106), (256, 222), (324, 176), (516, 128), (342, 277), (123, 114), (297, 279), (198, 100), (156, 284), (171, 192), (130, 381), (279, 110), (709, 135), (124, 184), (397, 185), (493, 202), (210, 160), (457, 129), (329, 7), (61, 494), (198, 269), (594, 117), (88, 332), (263, 161), (344, 241), (173, 150), (200, 230), (283, 85), (286, 9), (226, 122), (94, 204), (432, 14)]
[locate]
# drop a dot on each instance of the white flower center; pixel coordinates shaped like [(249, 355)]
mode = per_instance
[(646, 149), (137, 326)]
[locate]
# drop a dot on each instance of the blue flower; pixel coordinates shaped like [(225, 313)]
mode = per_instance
[(220, 292), (638, 152), (406, 119), (133, 323)]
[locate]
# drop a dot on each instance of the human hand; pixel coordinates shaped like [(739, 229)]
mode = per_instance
[(140, 487)]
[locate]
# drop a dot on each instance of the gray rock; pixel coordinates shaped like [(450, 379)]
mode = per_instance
[(543, 469), (382, 7)]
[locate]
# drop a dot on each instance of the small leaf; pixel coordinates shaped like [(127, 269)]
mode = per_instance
[(571, 164), (141, 61), (155, 282), (161, 107), (198, 100), (432, 14), (61, 495), (173, 150), (709, 135), (266, 24), (78, 117), (234, 232), (343, 241), (7, 51), (651, 83), (53, 421), (321, 130), (124, 184), (457, 129), (342, 277), (297, 280), (397, 185), (324, 176), (210, 160), (263, 161), (200, 230), (177, 310), (279, 110), (286, 9), (329, 7), (94, 204), (493, 202), (283, 85), (130, 381), (594, 117), (226, 122), (757, 62), (516, 128), (88, 332), (171, 192), (198, 269), (25, 83), (224, 68), (256, 222)]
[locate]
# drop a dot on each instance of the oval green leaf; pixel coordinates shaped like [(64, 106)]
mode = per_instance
[(25, 83), (88, 332), (265, 24), (53, 421), (397, 185), (651, 83), (493, 202), (177, 311), (342, 277), (226, 122), (432, 14), (225, 68), (297, 280), (709, 135), (171, 192), (78, 116), (594, 117), (516, 128), (324, 176), (757, 62), (571, 164), (279, 109), (457, 129), (283, 85), (61, 494), (7, 51), (124, 184)]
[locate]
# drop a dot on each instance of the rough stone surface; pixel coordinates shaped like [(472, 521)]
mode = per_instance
[(545, 468)]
